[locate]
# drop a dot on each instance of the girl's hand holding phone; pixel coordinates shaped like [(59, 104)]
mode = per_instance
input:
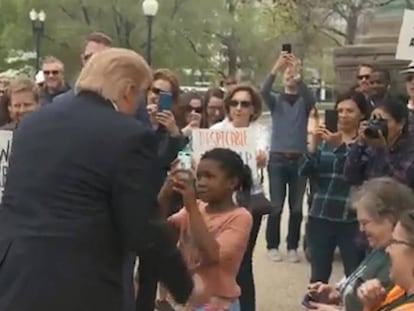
[(183, 183)]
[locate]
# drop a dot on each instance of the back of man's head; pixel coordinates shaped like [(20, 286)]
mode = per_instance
[(94, 43)]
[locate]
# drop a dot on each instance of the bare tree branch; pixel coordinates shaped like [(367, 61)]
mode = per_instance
[(66, 12), (331, 37), (192, 44)]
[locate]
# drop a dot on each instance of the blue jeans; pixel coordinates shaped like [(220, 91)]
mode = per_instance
[(284, 171)]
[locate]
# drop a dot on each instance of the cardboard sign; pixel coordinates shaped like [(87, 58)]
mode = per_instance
[(6, 138), (405, 48), (240, 140)]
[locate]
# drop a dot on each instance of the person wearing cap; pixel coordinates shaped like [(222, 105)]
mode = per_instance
[(40, 79), (409, 83)]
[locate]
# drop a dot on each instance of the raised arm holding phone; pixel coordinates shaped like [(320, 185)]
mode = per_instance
[(290, 110)]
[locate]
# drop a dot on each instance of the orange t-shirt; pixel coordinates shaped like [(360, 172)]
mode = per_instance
[(231, 230)]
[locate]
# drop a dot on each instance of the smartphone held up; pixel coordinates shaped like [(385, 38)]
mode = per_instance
[(165, 101), (287, 48)]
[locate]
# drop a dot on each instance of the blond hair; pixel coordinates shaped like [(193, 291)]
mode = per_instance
[(23, 84), (112, 72)]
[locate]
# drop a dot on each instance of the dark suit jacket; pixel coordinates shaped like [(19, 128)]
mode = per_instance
[(81, 193)]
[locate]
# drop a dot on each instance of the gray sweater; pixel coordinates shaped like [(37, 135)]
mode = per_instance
[(289, 120)]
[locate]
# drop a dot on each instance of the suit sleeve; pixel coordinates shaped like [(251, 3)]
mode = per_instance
[(134, 202)]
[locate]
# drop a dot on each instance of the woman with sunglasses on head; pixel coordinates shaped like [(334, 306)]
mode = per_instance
[(383, 147), (243, 106), (379, 203)]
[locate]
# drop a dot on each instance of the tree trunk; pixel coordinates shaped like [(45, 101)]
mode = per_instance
[(352, 26), (231, 50)]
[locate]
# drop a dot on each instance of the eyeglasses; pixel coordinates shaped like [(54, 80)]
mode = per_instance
[(194, 109), (51, 72), (363, 77), (409, 78), (242, 103)]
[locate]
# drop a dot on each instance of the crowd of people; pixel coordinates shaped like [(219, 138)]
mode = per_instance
[(98, 213)]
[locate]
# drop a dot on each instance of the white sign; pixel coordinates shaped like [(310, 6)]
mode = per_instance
[(6, 138), (405, 48), (240, 140)]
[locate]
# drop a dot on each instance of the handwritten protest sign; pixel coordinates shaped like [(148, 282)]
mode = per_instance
[(5, 148), (240, 140), (405, 48)]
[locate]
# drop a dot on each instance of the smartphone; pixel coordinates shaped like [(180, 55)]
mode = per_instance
[(307, 300), (331, 120), (165, 101), (184, 160), (287, 47)]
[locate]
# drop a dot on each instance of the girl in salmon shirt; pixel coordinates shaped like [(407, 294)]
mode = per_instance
[(213, 230)]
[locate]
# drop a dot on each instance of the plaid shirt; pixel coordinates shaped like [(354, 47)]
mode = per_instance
[(331, 197), (366, 162)]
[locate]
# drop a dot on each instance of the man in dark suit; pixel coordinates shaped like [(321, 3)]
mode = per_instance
[(80, 193)]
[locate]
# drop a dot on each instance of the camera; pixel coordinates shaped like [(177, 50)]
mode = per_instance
[(375, 126)]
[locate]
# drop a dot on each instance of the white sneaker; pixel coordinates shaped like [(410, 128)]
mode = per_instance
[(293, 256), (274, 255)]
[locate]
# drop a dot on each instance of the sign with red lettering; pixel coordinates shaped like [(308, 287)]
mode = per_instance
[(239, 140)]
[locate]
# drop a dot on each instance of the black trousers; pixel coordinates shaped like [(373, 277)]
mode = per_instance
[(245, 277), (147, 284)]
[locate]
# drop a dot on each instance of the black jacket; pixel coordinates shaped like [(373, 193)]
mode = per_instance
[(80, 193), (46, 97)]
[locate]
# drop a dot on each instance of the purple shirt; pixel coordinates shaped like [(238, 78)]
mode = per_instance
[(366, 162)]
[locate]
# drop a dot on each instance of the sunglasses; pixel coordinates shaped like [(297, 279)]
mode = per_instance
[(156, 90), (193, 109), (363, 77), (242, 103), (51, 72), (409, 78)]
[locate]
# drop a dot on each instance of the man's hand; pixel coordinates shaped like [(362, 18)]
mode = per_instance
[(292, 62), (261, 159), (280, 63)]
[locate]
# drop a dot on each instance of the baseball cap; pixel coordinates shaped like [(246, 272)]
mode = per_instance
[(410, 68), (40, 77)]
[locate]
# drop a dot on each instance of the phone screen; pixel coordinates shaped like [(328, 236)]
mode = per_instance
[(287, 47), (165, 101), (331, 120), (184, 160)]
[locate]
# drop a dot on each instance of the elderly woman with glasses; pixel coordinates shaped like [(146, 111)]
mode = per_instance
[(401, 252), (379, 204)]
